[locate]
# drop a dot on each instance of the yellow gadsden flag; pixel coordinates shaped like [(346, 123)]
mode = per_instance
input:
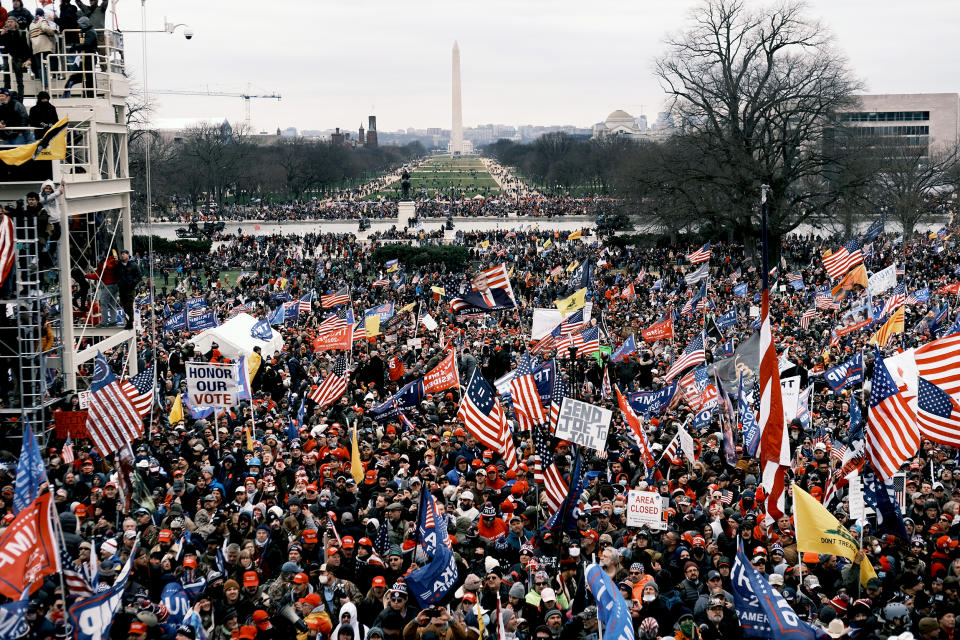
[(52, 146), (820, 532), (372, 325), (575, 235), (176, 411), (570, 304), (356, 467)]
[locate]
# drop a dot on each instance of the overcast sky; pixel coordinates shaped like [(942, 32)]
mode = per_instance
[(523, 61)]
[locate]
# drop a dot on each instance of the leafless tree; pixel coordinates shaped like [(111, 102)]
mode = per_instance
[(755, 92)]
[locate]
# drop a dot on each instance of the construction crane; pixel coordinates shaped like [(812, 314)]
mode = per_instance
[(222, 94)]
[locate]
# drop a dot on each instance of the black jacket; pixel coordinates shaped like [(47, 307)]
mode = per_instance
[(128, 276), (43, 115)]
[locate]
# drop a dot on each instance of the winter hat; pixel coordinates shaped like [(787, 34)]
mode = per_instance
[(518, 591)]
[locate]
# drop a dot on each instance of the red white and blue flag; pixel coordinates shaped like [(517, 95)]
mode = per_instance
[(112, 419)]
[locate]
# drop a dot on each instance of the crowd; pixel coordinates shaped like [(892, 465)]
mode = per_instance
[(257, 514)]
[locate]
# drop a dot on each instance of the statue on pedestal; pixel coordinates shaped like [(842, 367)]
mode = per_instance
[(405, 184)]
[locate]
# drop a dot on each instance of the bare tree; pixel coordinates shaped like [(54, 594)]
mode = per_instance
[(914, 182), (754, 92)]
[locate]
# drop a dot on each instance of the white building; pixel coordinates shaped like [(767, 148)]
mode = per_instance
[(619, 123)]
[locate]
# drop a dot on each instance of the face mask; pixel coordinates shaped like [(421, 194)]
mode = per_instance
[(649, 597), (618, 511), (323, 579), (574, 552), (877, 549)]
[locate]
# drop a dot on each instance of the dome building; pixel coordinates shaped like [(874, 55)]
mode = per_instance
[(620, 123)]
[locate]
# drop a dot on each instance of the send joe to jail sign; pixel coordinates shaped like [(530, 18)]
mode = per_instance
[(212, 384), (584, 424)]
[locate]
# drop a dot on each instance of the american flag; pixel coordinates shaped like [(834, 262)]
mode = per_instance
[(140, 390), (560, 391), (572, 323), (837, 451), (483, 416), (700, 255), (196, 313), (839, 263), (672, 452), (67, 451), (526, 399), (697, 275), (359, 331), (896, 300), (794, 276), (628, 292), (335, 299), (112, 420), (382, 282), (382, 541), (825, 301), (76, 583), (587, 342), (8, 246), (333, 386), (545, 469), (807, 316), (306, 303), (693, 354), (892, 434), (334, 322), (774, 451), (938, 415), (495, 278), (939, 363)]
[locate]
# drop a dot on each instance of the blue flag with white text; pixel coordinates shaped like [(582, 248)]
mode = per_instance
[(31, 472)]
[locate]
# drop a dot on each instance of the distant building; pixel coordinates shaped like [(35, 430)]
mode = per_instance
[(361, 138), (337, 138), (289, 132), (371, 140), (618, 123), (924, 120)]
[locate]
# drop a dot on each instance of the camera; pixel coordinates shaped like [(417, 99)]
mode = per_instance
[(188, 33)]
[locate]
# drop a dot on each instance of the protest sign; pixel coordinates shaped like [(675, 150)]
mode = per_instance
[(212, 383), (645, 509), (584, 424)]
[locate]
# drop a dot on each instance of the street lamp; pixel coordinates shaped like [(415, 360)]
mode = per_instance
[(168, 27)]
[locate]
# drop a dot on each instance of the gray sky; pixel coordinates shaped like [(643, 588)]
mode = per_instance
[(523, 61)]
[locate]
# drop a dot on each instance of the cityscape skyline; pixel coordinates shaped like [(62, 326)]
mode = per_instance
[(532, 62)]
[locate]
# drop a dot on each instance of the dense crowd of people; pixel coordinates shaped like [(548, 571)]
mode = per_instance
[(271, 534)]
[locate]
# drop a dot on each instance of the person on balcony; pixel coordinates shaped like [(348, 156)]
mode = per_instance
[(13, 120), (14, 43), (20, 14), (107, 273), (87, 51), (43, 40)]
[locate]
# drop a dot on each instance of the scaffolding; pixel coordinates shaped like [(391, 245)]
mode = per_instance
[(50, 327)]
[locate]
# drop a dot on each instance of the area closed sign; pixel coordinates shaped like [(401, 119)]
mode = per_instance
[(645, 509), (212, 384)]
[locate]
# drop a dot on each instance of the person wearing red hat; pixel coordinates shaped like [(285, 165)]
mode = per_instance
[(372, 604), (265, 628), (494, 481), (137, 630)]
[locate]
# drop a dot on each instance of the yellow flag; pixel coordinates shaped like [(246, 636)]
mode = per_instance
[(52, 146), (820, 532), (249, 439), (575, 235), (356, 468), (484, 244), (547, 243), (573, 265), (406, 307), (438, 290), (857, 275), (479, 613), (570, 304), (254, 361), (372, 325), (893, 325), (176, 411)]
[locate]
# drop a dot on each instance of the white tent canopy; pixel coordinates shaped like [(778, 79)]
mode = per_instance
[(234, 339)]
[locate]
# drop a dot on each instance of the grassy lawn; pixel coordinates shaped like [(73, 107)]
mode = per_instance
[(174, 281), (466, 176)]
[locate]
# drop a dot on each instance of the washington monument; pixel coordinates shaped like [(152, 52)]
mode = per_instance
[(456, 128)]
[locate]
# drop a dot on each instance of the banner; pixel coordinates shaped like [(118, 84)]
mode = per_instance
[(790, 395), (212, 384), (31, 472), (545, 376), (628, 347), (654, 402), (431, 583), (727, 320), (196, 303), (745, 362), (13, 621), (584, 424), (443, 376), (882, 280), (202, 321), (384, 312), (175, 599), (612, 609), (341, 339), (848, 373), (176, 322), (659, 331), (645, 509), (28, 549)]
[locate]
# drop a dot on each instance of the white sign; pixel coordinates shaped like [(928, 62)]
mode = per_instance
[(687, 445), (415, 343), (212, 384), (858, 508), (754, 311), (790, 397), (84, 398), (584, 424), (882, 280), (645, 509), (428, 322)]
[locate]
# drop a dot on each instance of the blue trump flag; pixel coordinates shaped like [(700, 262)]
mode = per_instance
[(654, 402), (174, 597), (176, 322), (261, 330), (92, 617), (629, 346), (882, 498), (762, 611), (740, 289), (848, 373), (855, 430), (13, 621), (432, 582), (203, 321), (727, 320), (748, 421), (544, 376), (611, 607), (31, 472)]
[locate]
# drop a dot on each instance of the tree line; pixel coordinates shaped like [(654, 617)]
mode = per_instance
[(211, 163)]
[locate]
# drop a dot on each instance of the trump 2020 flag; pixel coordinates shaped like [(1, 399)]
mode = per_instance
[(30, 472), (93, 616), (611, 607), (262, 330), (763, 612), (430, 583)]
